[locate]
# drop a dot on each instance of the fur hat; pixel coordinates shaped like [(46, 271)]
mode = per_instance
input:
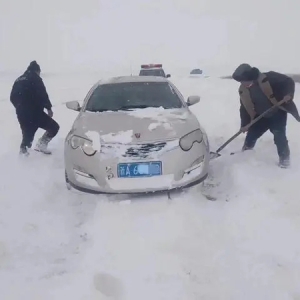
[(34, 67), (245, 72)]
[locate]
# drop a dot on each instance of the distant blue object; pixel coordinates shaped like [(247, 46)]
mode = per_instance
[(196, 71)]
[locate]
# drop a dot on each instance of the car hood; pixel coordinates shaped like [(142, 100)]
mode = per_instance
[(141, 125)]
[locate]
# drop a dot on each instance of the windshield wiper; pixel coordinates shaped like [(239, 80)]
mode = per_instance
[(125, 107), (132, 107), (98, 110)]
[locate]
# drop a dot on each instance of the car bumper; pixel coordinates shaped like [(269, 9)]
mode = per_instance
[(98, 174)]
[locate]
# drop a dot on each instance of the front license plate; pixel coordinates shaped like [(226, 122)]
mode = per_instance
[(140, 169)]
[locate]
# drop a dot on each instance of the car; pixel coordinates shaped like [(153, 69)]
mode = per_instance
[(153, 70), (134, 135), (196, 72)]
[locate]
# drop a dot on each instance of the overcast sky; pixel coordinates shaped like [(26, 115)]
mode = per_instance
[(94, 34)]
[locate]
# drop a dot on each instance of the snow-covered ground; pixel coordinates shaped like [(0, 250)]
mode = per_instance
[(60, 244)]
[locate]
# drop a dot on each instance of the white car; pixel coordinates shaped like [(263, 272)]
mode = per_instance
[(135, 134), (153, 70)]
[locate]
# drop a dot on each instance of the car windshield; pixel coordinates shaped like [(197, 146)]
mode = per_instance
[(133, 95), (152, 72)]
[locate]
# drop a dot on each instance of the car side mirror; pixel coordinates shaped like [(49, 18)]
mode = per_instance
[(168, 76), (193, 100), (73, 105)]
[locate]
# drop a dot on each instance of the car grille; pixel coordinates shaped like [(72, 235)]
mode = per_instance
[(144, 150)]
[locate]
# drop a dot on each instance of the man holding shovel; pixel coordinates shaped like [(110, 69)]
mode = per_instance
[(258, 93)]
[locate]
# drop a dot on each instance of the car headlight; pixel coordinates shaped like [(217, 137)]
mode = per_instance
[(85, 144), (187, 141)]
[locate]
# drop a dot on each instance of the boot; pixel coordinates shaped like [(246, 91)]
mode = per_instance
[(284, 162), (248, 146), (23, 151), (42, 145), (284, 157)]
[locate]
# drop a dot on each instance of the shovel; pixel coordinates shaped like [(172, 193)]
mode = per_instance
[(217, 154)]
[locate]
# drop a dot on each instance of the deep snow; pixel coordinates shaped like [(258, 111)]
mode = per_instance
[(60, 244)]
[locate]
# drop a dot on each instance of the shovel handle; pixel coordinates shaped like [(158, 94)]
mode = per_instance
[(264, 113), (229, 141), (250, 124)]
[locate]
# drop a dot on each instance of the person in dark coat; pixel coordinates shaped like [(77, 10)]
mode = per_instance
[(259, 92), (30, 99)]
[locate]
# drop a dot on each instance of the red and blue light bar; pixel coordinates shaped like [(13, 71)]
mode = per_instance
[(149, 66)]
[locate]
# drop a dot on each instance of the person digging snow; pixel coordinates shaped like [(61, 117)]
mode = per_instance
[(259, 92), (30, 98)]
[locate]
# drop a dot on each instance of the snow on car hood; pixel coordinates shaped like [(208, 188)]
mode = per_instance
[(141, 125)]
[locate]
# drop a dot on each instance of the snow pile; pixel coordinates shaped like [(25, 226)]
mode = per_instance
[(165, 124), (164, 182), (149, 112), (162, 117), (158, 114), (153, 126), (94, 136), (121, 137)]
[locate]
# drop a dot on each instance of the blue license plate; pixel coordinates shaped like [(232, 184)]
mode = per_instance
[(140, 169)]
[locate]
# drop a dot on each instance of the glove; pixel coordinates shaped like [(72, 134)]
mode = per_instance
[(287, 98), (244, 129), (50, 113)]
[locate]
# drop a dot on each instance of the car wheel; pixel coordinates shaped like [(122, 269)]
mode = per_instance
[(69, 187)]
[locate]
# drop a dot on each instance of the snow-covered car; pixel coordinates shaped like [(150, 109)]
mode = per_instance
[(196, 72), (135, 134), (153, 70)]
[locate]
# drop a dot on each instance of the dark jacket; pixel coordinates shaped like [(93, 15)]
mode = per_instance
[(29, 95), (281, 85)]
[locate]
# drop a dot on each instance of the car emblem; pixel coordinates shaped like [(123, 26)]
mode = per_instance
[(137, 135)]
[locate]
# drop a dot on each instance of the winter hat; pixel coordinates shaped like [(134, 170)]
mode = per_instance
[(34, 67), (245, 72)]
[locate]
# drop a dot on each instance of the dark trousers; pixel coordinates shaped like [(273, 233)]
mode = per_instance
[(277, 125), (29, 125)]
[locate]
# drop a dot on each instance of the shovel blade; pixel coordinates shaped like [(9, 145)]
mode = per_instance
[(214, 155)]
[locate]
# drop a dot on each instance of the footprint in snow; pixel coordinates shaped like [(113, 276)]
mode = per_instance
[(108, 285)]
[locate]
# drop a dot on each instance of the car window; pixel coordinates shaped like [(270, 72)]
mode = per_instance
[(153, 72), (127, 96)]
